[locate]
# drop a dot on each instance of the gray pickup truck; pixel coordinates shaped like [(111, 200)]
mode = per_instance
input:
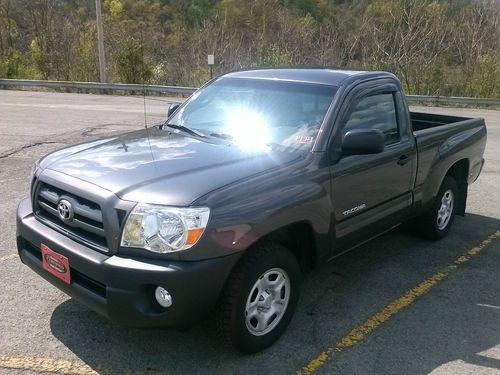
[(259, 176)]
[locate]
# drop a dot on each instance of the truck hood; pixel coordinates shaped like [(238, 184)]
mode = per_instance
[(160, 166)]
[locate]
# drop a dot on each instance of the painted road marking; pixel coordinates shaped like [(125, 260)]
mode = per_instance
[(486, 305), (493, 353), (7, 257), (359, 333), (45, 365), (462, 367)]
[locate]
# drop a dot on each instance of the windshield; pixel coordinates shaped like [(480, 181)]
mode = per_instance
[(258, 114)]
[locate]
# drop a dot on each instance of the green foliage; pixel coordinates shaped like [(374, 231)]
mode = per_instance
[(130, 64), (436, 47), (198, 11), (115, 8), (16, 65), (274, 55), (85, 50), (41, 58), (306, 6), (486, 79)]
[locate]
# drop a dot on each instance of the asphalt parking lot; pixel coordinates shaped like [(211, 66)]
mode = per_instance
[(397, 305)]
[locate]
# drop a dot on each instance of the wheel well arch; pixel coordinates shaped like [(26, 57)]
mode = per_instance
[(299, 238), (460, 172)]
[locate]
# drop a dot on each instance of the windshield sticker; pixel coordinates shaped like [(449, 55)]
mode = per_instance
[(305, 140)]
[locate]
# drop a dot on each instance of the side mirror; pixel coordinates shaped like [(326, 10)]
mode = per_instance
[(362, 142), (172, 108)]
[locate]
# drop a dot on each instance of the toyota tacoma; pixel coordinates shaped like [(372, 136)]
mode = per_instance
[(259, 176)]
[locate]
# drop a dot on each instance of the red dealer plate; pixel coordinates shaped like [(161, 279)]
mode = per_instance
[(56, 264)]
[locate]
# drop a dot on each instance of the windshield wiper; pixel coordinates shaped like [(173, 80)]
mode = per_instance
[(186, 130), (222, 136), (231, 138)]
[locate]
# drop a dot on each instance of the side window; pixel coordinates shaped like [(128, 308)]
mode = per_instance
[(375, 112)]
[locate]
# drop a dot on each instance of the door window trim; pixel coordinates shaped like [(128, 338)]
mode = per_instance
[(350, 110)]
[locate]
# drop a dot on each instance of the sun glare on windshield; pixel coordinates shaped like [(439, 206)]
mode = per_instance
[(249, 129)]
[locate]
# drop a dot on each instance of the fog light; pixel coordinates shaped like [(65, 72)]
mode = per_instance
[(163, 297)]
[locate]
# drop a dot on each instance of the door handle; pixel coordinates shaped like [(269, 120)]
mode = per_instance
[(403, 159)]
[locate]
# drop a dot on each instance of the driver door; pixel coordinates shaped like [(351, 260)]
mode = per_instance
[(371, 193)]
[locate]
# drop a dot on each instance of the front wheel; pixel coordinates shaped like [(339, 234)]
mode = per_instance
[(259, 298), (437, 221)]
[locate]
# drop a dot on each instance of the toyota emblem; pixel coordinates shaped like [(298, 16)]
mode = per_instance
[(65, 210)]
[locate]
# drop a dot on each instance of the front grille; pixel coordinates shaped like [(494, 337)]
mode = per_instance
[(87, 225)]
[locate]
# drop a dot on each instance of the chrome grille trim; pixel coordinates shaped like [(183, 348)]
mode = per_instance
[(87, 225)]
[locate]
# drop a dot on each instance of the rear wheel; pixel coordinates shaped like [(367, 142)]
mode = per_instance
[(437, 221), (260, 298)]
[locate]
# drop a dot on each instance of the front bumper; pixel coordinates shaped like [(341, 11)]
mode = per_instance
[(122, 288)]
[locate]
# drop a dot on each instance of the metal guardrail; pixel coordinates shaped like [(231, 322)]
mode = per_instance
[(96, 86), (190, 90), (452, 100)]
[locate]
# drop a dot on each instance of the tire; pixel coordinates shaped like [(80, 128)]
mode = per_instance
[(264, 281), (437, 221)]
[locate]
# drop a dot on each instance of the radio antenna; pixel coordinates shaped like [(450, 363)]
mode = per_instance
[(144, 98), (143, 81)]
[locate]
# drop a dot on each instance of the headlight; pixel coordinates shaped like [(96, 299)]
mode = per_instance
[(163, 229)]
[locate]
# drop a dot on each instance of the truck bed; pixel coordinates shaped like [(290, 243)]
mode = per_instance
[(421, 121), (442, 141)]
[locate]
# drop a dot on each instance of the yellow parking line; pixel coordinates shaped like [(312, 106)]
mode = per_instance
[(359, 333), (61, 366), (7, 257)]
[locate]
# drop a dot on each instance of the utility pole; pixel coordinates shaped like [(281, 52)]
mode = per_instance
[(100, 41)]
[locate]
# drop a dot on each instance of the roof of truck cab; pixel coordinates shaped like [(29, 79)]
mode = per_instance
[(325, 76)]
